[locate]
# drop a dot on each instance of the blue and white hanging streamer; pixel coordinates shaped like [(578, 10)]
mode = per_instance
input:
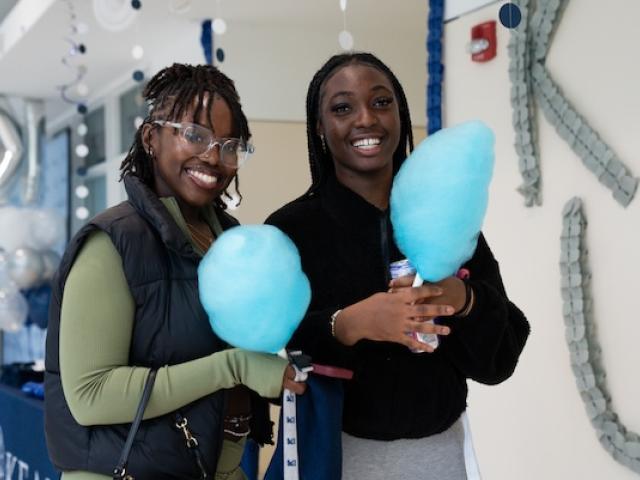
[(435, 68)]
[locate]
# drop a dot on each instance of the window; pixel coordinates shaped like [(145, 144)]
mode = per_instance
[(132, 107)]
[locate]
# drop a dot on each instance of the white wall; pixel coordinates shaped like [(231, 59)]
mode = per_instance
[(534, 426)]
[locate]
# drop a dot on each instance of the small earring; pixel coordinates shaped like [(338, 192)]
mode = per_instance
[(324, 144), (150, 152)]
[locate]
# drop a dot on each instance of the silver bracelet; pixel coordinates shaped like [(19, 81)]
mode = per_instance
[(332, 322), (238, 434)]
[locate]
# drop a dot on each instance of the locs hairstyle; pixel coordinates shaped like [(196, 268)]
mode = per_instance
[(171, 92), (320, 161)]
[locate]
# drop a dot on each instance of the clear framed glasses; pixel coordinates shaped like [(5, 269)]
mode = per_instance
[(199, 140)]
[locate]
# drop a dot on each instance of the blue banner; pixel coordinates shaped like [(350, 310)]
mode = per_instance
[(23, 452)]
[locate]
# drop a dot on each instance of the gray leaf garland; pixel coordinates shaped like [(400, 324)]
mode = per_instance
[(530, 81), (584, 350)]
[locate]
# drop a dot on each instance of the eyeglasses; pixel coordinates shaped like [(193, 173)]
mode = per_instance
[(199, 140)]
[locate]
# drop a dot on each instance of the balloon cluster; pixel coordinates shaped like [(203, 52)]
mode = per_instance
[(27, 261)]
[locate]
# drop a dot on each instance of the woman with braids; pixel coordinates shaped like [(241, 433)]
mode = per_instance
[(126, 303), (402, 410)]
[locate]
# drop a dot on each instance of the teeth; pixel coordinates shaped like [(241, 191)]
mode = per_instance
[(366, 142), (203, 177)]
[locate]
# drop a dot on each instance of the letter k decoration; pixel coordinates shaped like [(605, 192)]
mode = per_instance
[(531, 81)]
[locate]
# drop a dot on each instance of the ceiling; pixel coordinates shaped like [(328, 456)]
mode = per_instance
[(33, 66), (5, 7)]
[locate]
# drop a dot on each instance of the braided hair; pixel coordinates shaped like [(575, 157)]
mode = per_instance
[(320, 160), (172, 92)]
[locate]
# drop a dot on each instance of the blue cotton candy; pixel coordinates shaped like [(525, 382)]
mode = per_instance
[(253, 288), (439, 198)]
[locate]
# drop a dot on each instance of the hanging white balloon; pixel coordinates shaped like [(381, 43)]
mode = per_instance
[(47, 229), (5, 278), (82, 129), (137, 52), (82, 150), (26, 267), (82, 191), (219, 26), (82, 213), (50, 262), (346, 40), (15, 228), (13, 310)]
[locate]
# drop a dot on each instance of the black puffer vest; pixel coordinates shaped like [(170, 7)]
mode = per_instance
[(170, 328)]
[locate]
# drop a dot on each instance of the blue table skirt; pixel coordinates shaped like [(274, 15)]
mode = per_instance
[(23, 452)]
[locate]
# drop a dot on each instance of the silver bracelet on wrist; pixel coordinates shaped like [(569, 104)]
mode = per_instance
[(332, 322)]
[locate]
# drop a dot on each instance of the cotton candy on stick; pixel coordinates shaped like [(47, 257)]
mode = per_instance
[(439, 199), (253, 288)]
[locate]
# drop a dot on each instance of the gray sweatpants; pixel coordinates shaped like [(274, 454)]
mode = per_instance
[(438, 457)]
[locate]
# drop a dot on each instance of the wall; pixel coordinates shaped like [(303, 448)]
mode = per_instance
[(534, 426), (279, 171)]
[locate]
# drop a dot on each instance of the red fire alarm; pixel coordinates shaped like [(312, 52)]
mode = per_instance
[(483, 41)]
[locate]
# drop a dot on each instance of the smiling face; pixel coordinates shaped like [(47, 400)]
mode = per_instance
[(360, 120), (194, 180)]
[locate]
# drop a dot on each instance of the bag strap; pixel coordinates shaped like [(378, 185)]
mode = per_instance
[(120, 472)]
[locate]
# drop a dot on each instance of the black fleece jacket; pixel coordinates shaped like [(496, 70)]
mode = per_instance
[(346, 245)]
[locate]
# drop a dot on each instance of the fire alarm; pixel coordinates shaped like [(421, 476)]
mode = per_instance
[(483, 41)]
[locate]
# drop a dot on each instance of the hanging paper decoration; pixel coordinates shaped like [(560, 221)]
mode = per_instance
[(206, 40), (510, 15), (137, 52), (219, 26), (68, 60), (435, 68), (211, 28), (531, 81), (585, 352), (115, 15), (345, 38)]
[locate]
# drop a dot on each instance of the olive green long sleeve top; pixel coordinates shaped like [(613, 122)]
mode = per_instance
[(95, 332)]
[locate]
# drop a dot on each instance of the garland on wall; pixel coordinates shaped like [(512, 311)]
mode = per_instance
[(435, 68), (531, 80), (623, 445)]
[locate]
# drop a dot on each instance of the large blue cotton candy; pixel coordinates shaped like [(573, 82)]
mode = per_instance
[(439, 198), (253, 288)]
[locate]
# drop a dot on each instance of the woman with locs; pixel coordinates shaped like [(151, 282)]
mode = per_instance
[(125, 303)]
